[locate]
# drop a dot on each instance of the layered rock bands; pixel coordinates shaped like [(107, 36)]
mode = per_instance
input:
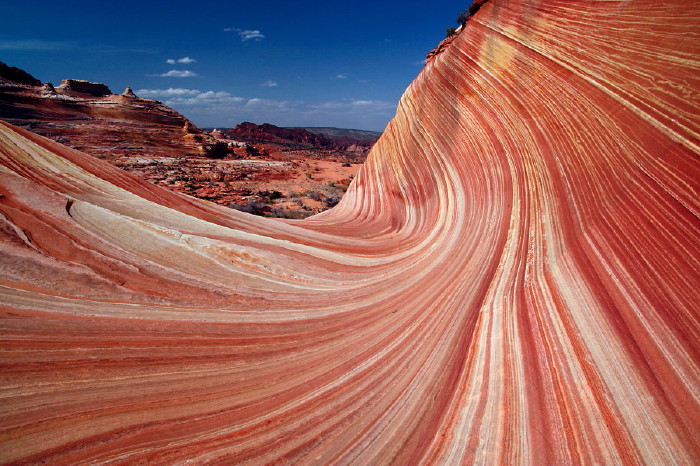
[(511, 279)]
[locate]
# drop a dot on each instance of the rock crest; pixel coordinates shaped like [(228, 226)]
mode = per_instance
[(85, 87), (128, 92)]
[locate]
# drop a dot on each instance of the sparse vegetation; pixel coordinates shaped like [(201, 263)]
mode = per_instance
[(315, 195), (218, 150), (463, 17), (253, 207), (270, 195), (281, 212), (331, 201), (251, 151)]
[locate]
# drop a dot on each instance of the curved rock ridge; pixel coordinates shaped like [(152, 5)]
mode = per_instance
[(511, 279)]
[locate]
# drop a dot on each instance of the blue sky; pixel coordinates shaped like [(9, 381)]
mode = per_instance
[(289, 63)]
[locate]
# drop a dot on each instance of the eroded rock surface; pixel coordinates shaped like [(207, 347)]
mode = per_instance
[(512, 278)]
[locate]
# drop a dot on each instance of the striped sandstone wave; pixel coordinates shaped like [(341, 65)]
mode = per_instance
[(512, 277)]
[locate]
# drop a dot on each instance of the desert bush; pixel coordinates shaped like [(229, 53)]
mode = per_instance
[(315, 195), (253, 207), (463, 17), (281, 212), (331, 201), (271, 195), (252, 151), (218, 150), (450, 31)]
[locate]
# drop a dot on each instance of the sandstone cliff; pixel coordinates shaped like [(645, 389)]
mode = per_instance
[(512, 278)]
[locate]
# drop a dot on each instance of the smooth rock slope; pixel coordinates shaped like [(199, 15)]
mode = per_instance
[(511, 279)]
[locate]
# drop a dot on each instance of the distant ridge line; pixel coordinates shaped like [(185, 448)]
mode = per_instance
[(333, 133)]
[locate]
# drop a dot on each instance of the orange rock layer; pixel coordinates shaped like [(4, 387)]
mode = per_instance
[(512, 277)]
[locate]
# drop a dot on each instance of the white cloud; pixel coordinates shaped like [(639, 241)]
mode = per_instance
[(181, 96), (217, 108), (269, 83), (170, 92), (185, 60), (341, 76), (250, 34), (354, 105), (374, 105), (178, 74), (228, 29)]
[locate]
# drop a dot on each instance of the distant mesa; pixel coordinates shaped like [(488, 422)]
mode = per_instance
[(85, 87), (355, 141)]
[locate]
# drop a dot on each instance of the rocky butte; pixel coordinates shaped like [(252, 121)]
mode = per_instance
[(512, 278)]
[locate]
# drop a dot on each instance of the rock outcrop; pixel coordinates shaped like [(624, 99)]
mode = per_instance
[(89, 117), (47, 89), (128, 92), (16, 75), (85, 87), (512, 278)]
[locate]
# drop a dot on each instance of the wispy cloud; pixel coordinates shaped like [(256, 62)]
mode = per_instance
[(35, 45), (177, 74), (228, 29), (185, 60), (181, 96), (250, 34), (269, 83), (341, 76), (170, 92), (214, 108)]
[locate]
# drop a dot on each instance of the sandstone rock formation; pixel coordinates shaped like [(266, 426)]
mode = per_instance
[(87, 116), (128, 92), (11, 74), (85, 87), (512, 278)]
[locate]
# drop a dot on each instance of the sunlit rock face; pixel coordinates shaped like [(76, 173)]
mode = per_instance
[(512, 278)]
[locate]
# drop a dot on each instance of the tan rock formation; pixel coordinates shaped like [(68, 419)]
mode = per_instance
[(128, 92)]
